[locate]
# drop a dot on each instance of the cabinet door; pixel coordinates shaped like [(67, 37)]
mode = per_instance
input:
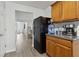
[(77, 9), (62, 51), (50, 48), (68, 10), (56, 12)]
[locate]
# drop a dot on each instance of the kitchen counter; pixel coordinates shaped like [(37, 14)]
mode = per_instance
[(70, 38), (68, 45)]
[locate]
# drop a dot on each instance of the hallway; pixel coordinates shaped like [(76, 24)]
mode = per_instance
[(24, 48)]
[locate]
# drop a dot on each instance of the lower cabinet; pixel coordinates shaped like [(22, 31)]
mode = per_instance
[(51, 47), (55, 49), (62, 51)]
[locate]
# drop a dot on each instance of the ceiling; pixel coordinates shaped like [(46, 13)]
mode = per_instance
[(23, 16), (36, 4)]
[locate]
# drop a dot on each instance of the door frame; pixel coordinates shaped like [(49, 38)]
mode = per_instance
[(27, 25)]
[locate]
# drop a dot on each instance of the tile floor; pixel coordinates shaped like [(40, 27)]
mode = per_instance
[(24, 48)]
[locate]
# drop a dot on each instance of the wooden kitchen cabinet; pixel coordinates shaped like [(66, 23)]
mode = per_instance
[(56, 12), (51, 47), (69, 10), (56, 47), (65, 11), (63, 51), (78, 9)]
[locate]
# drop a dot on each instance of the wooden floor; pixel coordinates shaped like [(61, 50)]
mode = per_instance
[(24, 48)]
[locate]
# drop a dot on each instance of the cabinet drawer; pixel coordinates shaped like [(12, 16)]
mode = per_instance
[(60, 41), (51, 38), (66, 51)]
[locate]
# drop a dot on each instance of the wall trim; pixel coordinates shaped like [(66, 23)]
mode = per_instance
[(12, 50)]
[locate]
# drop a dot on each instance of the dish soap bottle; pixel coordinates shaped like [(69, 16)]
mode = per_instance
[(51, 28)]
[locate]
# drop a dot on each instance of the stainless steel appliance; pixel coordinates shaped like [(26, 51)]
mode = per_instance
[(69, 30)]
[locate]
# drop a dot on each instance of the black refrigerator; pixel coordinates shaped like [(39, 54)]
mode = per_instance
[(40, 28)]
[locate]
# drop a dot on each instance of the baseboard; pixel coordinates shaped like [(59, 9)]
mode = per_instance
[(12, 50)]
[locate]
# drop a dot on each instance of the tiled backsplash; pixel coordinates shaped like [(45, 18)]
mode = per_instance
[(61, 24)]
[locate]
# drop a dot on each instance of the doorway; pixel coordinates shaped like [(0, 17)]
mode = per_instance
[(24, 33)]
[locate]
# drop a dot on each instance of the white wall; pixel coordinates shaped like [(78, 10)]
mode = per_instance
[(48, 12), (23, 16), (2, 20), (20, 27), (2, 28), (11, 22)]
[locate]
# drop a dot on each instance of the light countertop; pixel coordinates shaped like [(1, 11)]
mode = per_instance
[(71, 38)]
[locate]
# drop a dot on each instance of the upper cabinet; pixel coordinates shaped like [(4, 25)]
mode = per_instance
[(68, 10), (65, 11), (56, 12), (77, 9)]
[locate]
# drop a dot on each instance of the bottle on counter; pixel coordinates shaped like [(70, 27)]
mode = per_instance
[(51, 28)]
